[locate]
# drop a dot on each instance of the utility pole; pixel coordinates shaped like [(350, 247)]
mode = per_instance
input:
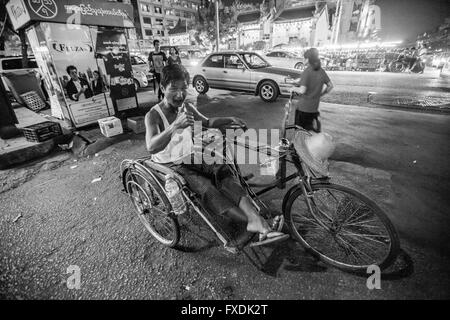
[(217, 24), (339, 7)]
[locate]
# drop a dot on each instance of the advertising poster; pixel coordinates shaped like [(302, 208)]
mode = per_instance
[(47, 72), (112, 48), (84, 83)]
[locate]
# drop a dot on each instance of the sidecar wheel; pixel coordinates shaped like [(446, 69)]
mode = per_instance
[(153, 208)]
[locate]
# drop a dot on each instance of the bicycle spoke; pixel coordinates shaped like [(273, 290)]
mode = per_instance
[(308, 220), (367, 237), (359, 218), (350, 216), (320, 211), (368, 245), (356, 251)]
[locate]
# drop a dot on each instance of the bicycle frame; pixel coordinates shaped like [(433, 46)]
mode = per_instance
[(288, 155)]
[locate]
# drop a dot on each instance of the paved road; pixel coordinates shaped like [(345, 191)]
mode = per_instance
[(352, 88), (399, 159)]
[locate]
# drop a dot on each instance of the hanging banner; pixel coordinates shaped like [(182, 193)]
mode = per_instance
[(111, 46), (84, 12)]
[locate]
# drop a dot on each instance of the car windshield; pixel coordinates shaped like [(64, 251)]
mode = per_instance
[(254, 61)]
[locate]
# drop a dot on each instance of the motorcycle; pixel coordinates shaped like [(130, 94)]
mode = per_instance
[(403, 62)]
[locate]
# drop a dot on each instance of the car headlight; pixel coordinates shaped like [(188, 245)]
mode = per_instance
[(291, 80), (194, 63)]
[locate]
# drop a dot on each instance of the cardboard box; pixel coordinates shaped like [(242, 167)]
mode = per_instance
[(137, 124), (110, 126)]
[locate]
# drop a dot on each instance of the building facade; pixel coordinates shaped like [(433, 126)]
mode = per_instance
[(157, 17)]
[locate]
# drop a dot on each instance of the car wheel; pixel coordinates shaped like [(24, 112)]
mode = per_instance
[(200, 85), (300, 66), (136, 85), (268, 91)]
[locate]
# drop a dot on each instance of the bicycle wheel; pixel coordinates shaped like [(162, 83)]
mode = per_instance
[(342, 227), (153, 208)]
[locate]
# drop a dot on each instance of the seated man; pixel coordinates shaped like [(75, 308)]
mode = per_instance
[(169, 140)]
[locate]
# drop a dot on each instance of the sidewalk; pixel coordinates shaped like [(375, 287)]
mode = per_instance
[(86, 141), (18, 150)]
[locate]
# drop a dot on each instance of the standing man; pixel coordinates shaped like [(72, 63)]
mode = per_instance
[(157, 60), (77, 86), (314, 84)]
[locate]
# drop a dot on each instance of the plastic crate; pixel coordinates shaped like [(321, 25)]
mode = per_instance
[(42, 131), (33, 101)]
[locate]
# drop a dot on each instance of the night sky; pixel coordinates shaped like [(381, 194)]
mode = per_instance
[(405, 19)]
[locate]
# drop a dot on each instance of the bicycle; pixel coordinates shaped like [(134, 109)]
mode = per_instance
[(336, 224)]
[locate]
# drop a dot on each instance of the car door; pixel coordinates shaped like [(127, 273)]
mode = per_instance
[(272, 58), (212, 69), (235, 74), (284, 60)]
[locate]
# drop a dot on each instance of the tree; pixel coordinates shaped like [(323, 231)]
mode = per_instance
[(8, 32), (206, 22)]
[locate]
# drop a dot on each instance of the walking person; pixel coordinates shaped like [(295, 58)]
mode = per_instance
[(174, 56), (157, 60), (314, 84)]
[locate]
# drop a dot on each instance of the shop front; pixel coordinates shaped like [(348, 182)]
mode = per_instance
[(82, 52)]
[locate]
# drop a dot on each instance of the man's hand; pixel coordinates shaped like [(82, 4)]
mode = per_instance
[(297, 90), (184, 120)]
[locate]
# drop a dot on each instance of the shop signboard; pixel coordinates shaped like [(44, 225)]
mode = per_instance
[(79, 12), (18, 13), (179, 40)]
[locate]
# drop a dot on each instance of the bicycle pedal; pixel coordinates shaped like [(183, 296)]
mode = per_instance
[(232, 250), (249, 176)]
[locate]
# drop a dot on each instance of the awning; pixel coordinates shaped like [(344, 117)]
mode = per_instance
[(248, 17), (179, 28), (296, 14)]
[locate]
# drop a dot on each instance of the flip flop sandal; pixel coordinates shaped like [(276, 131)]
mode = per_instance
[(231, 249), (270, 237), (278, 223)]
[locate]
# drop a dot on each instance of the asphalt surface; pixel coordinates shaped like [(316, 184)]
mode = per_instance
[(60, 218), (353, 88)]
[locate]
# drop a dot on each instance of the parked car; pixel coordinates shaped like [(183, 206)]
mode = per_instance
[(285, 59), (12, 64), (141, 72), (244, 71)]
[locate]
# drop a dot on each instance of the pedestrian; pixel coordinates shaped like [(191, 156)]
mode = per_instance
[(157, 60), (314, 84), (174, 56)]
